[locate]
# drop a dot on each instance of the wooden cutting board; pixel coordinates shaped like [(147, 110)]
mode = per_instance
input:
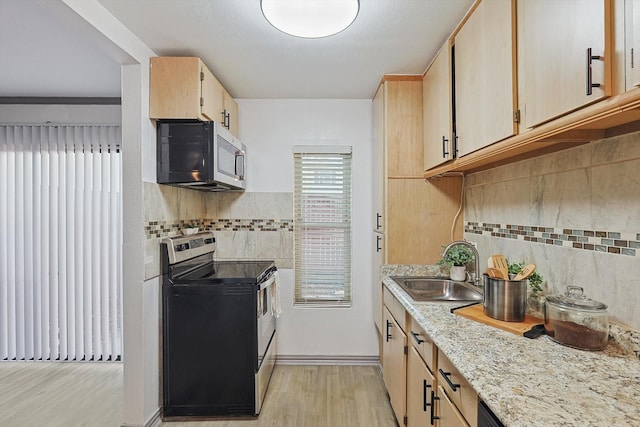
[(475, 312)]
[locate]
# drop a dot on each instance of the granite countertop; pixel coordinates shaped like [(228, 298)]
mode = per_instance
[(528, 382)]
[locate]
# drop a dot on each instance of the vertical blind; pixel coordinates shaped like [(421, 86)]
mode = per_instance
[(322, 225), (60, 243)]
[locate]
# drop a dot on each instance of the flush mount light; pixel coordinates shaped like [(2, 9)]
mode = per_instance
[(310, 18)]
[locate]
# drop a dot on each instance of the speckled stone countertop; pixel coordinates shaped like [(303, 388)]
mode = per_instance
[(528, 382)]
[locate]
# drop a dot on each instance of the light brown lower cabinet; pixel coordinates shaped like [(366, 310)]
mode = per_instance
[(420, 392), (448, 415), (394, 343), (458, 390)]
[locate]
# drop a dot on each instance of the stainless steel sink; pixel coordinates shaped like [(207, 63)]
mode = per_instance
[(438, 289)]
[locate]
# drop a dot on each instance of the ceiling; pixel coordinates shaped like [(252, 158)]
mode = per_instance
[(58, 56)]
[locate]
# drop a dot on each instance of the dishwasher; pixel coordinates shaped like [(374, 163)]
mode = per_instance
[(486, 418)]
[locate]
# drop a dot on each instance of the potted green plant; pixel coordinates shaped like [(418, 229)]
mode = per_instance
[(457, 259), (535, 297)]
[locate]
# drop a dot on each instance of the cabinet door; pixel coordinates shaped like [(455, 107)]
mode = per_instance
[(484, 77), (394, 368), (553, 38), (403, 139), (632, 9), (230, 109), (447, 412), (174, 88), (379, 178), (378, 251), (436, 107), (420, 384), (420, 215), (212, 95)]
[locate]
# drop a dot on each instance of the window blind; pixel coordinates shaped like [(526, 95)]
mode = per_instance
[(322, 225), (60, 243)]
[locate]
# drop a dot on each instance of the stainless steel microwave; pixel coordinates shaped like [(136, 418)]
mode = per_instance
[(199, 155)]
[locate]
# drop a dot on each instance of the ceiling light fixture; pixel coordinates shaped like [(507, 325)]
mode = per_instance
[(310, 18)]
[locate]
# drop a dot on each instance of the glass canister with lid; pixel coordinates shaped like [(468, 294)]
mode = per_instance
[(574, 320)]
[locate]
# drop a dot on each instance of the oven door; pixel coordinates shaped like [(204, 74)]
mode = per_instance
[(266, 320)]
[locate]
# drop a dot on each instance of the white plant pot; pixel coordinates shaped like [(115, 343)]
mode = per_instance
[(458, 273)]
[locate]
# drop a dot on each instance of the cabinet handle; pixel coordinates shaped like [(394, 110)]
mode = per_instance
[(445, 153), (433, 406), (446, 376), (389, 324), (590, 84), (378, 218), (416, 337), (378, 240), (226, 119), (425, 404)]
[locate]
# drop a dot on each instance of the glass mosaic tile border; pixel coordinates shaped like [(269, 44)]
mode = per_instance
[(158, 229), (612, 242)]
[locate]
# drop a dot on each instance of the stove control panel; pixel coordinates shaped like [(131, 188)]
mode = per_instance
[(182, 248)]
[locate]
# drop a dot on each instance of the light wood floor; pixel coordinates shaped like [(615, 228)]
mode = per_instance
[(52, 394), (90, 394)]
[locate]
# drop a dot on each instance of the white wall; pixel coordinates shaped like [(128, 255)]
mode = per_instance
[(140, 298), (269, 129)]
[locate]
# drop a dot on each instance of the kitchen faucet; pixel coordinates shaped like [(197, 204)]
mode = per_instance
[(475, 279)]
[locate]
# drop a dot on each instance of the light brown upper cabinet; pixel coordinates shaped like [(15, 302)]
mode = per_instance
[(632, 43), (437, 108), (561, 57), (484, 77), (183, 88), (403, 127), (230, 113)]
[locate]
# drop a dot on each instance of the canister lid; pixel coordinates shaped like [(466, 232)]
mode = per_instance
[(574, 298)]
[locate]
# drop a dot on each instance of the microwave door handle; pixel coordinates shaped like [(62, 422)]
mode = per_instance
[(240, 156)]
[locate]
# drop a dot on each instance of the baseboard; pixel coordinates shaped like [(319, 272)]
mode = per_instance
[(327, 360), (155, 420)]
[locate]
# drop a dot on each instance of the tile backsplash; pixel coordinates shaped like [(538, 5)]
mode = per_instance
[(613, 242), (246, 225), (574, 213)]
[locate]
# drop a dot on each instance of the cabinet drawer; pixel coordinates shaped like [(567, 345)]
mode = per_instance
[(448, 414), (421, 341), (458, 389), (396, 308)]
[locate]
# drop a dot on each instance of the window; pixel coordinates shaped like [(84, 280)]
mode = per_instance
[(322, 225)]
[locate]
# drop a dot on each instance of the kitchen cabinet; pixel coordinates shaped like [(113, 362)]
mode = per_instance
[(184, 88), (632, 43), (411, 218), (556, 74), (455, 388), (420, 391), (417, 374), (484, 77), (394, 366), (229, 113), (421, 383), (448, 415), (379, 190), (437, 109)]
